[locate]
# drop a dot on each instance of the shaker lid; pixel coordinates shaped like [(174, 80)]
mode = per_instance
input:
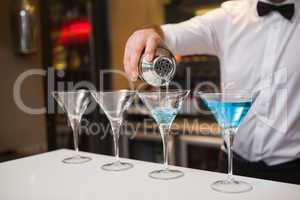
[(163, 66)]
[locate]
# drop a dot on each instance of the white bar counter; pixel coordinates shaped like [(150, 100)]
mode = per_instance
[(45, 177)]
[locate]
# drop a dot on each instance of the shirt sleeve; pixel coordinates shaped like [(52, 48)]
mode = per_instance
[(197, 35)]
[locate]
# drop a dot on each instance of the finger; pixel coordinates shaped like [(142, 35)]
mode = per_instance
[(135, 55), (128, 52), (151, 46), (126, 60)]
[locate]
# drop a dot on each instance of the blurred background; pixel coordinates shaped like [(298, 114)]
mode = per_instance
[(74, 39)]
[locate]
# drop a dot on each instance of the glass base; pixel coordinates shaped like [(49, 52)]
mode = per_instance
[(117, 166), (76, 160), (166, 174), (231, 186)]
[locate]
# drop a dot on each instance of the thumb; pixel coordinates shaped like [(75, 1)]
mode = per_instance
[(151, 46)]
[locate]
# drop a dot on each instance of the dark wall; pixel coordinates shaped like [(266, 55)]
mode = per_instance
[(18, 130)]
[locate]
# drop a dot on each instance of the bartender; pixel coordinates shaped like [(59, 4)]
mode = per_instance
[(258, 45)]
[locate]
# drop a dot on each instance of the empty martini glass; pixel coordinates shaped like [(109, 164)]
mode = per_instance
[(114, 104), (74, 103), (164, 106), (229, 109)]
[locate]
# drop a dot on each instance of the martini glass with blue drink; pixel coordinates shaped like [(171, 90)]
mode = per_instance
[(164, 106), (229, 109)]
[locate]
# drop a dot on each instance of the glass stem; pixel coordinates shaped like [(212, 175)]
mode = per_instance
[(75, 124), (115, 125), (228, 135), (164, 132)]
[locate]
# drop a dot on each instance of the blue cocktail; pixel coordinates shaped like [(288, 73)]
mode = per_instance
[(229, 114), (229, 109), (164, 115), (164, 106)]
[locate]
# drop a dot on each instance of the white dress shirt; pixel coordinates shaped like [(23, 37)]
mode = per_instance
[(259, 54)]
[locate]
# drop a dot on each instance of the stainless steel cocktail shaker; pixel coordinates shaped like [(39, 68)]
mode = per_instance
[(160, 70)]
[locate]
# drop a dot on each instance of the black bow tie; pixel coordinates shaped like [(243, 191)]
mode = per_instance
[(286, 10)]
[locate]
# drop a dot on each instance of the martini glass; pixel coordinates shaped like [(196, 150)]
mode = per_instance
[(229, 109), (114, 104), (74, 103), (164, 106)]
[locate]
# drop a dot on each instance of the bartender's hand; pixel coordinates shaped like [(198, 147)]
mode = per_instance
[(147, 38)]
